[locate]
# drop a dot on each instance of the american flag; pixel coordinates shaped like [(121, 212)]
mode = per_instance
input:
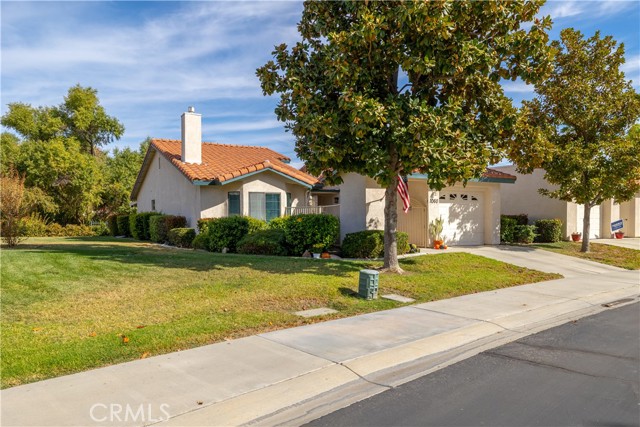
[(403, 190)]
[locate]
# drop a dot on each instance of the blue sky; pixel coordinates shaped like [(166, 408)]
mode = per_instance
[(150, 60)]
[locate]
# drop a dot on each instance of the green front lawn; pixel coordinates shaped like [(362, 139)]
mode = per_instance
[(67, 303), (605, 254)]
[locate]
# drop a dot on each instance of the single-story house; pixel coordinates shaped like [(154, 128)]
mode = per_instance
[(471, 213), (523, 197), (204, 180)]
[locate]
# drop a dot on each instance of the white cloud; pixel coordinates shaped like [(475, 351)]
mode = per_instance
[(631, 69), (517, 87), (565, 9)]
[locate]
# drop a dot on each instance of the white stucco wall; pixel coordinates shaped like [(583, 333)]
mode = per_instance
[(630, 213), (173, 193), (523, 197), (353, 206)]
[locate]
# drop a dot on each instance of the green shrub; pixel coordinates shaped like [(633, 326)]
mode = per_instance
[(548, 230), (35, 225), (100, 229), (201, 241), (181, 237), (123, 225), (74, 230), (159, 226), (278, 223), (112, 223), (370, 244), (174, 221), (263, 242), (256, 225), (507, 225), (226, 232), (139, 225), (203, 224), (521, 219), (305, 230), (524, 233), (55, 230), (157, 229)]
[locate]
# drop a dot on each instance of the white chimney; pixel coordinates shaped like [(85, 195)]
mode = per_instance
[(191, 136)]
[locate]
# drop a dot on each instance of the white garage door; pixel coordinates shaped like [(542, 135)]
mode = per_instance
[(463, 214), (594, 228)]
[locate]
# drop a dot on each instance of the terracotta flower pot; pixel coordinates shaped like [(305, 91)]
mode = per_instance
[(437, 244), (576, 237), (325, 255), (619, 234)]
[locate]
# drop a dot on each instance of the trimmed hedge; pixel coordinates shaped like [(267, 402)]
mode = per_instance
[(548, 230), (159, 226), (112, 223), (507, 226), (226, 232), (101, 229), (521, 219), (201, 242), (524, 233), (263, 242), (370, 244), (306, 230), (139, 225), (181, 237), (123, 225)]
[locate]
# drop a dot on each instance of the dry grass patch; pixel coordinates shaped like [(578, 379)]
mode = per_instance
[(605, 254)]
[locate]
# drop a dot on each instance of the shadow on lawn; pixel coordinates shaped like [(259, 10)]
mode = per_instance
[(129, 251)]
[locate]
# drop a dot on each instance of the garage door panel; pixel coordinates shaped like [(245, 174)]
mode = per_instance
[(594, 220), (463, 214)]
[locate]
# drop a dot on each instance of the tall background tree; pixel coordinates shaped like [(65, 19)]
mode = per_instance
[(68, 177), (577, 127), (390, 88)]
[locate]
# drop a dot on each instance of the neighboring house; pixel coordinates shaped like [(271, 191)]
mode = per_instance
[(204, 180), (525, 198), (471, 213)]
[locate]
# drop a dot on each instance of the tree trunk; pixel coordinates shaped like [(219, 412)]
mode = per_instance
[(586, 225), (390, 227)]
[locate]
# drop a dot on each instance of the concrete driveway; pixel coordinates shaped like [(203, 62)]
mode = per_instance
[(627, 242)]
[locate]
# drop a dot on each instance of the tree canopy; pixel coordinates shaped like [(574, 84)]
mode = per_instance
[(578, 127), (389, 88), (67, 177)]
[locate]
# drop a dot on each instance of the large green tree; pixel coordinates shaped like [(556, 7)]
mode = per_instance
[(87, 121), (577, 127), (121, 169), (390, 88)]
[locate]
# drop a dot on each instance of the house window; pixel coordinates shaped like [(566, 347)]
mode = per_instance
[(264, 206), (153, 204), (233, 203), (336, 200)]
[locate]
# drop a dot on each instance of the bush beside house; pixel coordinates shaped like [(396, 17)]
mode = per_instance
[(123, 225), (370, 244), (548, 230), (306, 230), (264, 242), (181, 237)]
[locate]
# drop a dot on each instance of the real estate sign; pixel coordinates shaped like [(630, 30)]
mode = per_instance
[(616, 225)]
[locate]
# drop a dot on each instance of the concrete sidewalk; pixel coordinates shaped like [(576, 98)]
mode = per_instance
[(294, 375), (627, 242)]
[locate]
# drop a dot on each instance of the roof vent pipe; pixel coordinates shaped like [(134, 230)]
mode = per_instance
[(191, 136)]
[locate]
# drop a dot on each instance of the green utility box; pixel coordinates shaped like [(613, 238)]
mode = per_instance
[(368, 286)]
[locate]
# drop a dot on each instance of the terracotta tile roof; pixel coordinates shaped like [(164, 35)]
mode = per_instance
[(222, 162), (492, 173)]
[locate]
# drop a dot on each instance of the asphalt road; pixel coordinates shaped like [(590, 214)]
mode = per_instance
[(582, 373)]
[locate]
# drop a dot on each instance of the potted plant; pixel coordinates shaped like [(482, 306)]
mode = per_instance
[(317, 249), (575, 236), (435, 229), (619, 234)]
